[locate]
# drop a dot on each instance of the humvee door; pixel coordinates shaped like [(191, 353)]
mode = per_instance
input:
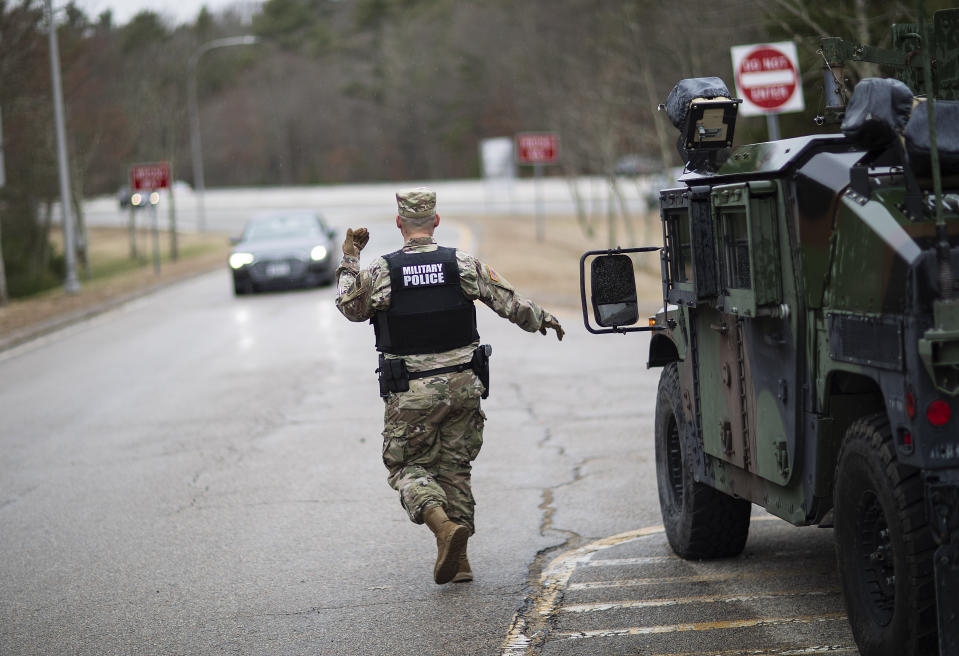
[(747, 351)]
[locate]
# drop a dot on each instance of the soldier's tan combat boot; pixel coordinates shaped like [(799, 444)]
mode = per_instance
[(450, 542), (463, 572)]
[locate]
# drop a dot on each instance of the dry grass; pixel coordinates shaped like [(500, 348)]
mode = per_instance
[(548, 271)]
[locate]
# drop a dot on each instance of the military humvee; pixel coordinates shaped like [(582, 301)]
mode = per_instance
[(809, 336)]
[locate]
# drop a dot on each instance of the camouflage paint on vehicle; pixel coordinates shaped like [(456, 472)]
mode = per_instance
[(824, 287), (810, 339)]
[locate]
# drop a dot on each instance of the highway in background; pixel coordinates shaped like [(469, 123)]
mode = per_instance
[(227, 209)]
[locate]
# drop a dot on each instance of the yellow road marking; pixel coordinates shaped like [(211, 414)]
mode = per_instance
[(775, 651), (530, 626), (553, 580)]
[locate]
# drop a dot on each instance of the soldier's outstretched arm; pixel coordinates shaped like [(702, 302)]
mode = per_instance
[(355, 241), (482, 282), (354, 288)]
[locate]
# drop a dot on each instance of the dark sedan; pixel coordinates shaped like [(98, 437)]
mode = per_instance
[(281, 250)]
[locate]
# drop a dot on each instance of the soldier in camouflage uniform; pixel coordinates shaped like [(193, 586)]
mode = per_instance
[(434, 430)]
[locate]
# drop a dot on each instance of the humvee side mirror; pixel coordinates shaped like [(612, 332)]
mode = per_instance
[(612, 290)]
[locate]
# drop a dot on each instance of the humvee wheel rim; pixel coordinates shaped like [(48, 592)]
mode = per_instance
[(875, 562)]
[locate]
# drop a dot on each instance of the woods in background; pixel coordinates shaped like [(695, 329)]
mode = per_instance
[(362, 90)]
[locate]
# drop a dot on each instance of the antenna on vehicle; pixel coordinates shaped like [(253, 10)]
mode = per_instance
[(943, 251)]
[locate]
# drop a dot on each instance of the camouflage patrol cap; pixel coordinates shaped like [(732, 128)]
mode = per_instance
[(417, 203)]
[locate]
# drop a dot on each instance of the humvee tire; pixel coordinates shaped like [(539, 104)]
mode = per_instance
[(883, 545), (700, 522)]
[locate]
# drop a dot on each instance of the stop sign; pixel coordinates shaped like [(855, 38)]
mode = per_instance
[(767, 78)]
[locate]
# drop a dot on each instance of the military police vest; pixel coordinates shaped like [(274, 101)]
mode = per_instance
[(428, 313)]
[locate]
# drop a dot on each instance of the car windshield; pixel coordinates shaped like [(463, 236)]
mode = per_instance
[(282, 227)]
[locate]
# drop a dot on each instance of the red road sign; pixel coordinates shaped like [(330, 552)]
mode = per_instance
[(537, 148), (767, 78), (147, 177)]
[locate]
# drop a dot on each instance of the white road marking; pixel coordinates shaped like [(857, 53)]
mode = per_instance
[(695, 578), (682, 601), (775, 651), (699, 626), (553, 580), (622, 562), (530, 627)]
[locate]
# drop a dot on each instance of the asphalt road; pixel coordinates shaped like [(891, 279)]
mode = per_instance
[(195, 473)]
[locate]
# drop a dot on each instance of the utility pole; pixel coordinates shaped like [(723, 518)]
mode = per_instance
[(3, 181), (72, 284), (199, 185)]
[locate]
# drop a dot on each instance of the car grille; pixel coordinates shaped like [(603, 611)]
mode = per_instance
[(278, 269)]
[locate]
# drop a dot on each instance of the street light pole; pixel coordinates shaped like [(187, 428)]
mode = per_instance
[(72, 284), (195, 145)]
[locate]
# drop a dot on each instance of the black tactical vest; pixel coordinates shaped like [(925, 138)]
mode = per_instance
[(428, 313)]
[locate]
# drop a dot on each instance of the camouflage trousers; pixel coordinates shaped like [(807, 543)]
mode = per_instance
[(431, 435)]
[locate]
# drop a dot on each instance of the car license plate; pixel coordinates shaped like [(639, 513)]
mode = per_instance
[(278, 269)]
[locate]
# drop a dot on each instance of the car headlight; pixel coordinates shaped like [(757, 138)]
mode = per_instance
[(238, 260), (318, 253), (136, 199)]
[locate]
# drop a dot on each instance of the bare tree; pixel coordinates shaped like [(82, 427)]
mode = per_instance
[(3, 269), (4, 297)]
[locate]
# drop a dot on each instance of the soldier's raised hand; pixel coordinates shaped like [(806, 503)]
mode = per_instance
[(355, 241), (549, 321)]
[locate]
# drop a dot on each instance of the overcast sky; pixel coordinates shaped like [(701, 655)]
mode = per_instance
[(176, 11)]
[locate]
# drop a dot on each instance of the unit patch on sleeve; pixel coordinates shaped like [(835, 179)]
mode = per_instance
[(423, 275)]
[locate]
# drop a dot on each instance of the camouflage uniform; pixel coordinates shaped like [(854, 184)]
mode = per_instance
[(435, 430)]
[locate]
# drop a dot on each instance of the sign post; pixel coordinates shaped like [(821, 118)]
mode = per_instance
[(148, 178), (537, 149), (767, 79), (3, 181), (155, 231), (173, 245), (3, 174), (133, 232)]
